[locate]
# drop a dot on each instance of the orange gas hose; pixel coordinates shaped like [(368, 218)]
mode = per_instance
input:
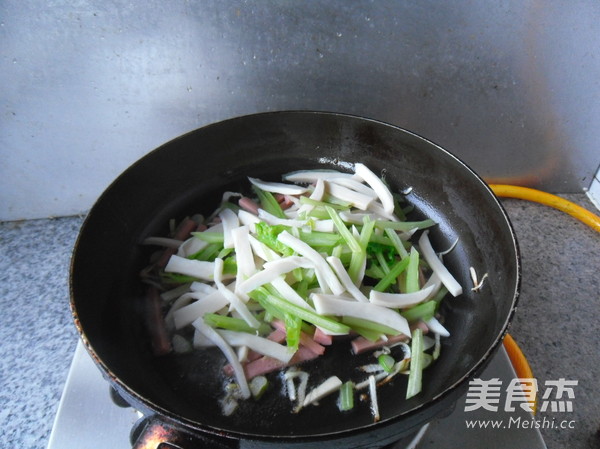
[(516, 356), (526, 193)]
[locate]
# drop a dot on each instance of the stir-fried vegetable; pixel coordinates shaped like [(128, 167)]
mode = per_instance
[(277, 275)]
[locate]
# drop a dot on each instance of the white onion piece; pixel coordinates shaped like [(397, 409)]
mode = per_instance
[(399, 300), (317, 195), (365, 383), (437, 266), (243, 253), (373, 394), (229, 353), (196, 268), (202, 287), (230, 221), (262, 251), (289, 293), (261, 345), (434, 280), (235, 301), (384, 194), (355, 185), (248, 219), (315, 175), (191, 246), (278, 187), (273, 220), (272, 270), (345, 279), (322, 269), (329, 305), (206, 304), (436, 327), (329, 386), (359, 200)]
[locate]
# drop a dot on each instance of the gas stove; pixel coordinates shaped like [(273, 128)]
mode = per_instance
[(88, 417)]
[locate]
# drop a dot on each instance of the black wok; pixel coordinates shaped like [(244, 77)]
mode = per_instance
[(188, 175)]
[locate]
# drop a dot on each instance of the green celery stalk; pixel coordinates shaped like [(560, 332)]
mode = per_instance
[(346, 400), (390, 278), (274, 301), (317, 238), (208, 253), (268, 202), (310, 201), (387, 362), (382, 262), (423, 311), (404, 225), (416, 364), (293, 326), (412, 271), (343, 230), (397, 242), (231, 323), (210, 236), (368, 325), (358, 258), (319, 214)]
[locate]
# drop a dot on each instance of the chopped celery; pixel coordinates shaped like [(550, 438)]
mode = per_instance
[(383, 264), (404, 225), (267, 234), (346, 400), (390, 278), (229, 266), (310, 201), (397, 242), (208, 253), (416, 364), (258, 385), (233, 324), (343, 230), (319, 214), (412, 272), (265, 298), (320, 239), (268, 202), (293, 326), (358, 258), (369, 325), (210, 236), (387, 362), (423, 311)]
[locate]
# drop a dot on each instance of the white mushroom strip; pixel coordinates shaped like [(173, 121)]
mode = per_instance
[(384, 194), (344, 277), (278, 187), (437, 266), (230, 221), (314, 175), (261, 345), (229, 353), (272, 270), (322, 269), (326, 388), (328, 305), (399, 300)]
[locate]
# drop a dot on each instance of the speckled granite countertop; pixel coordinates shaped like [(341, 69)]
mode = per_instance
[(557, 323)]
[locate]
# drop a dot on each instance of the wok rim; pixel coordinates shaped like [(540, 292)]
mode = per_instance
[(453, 389)]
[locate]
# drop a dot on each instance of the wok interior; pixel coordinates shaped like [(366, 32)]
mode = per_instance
[(189, 174)]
